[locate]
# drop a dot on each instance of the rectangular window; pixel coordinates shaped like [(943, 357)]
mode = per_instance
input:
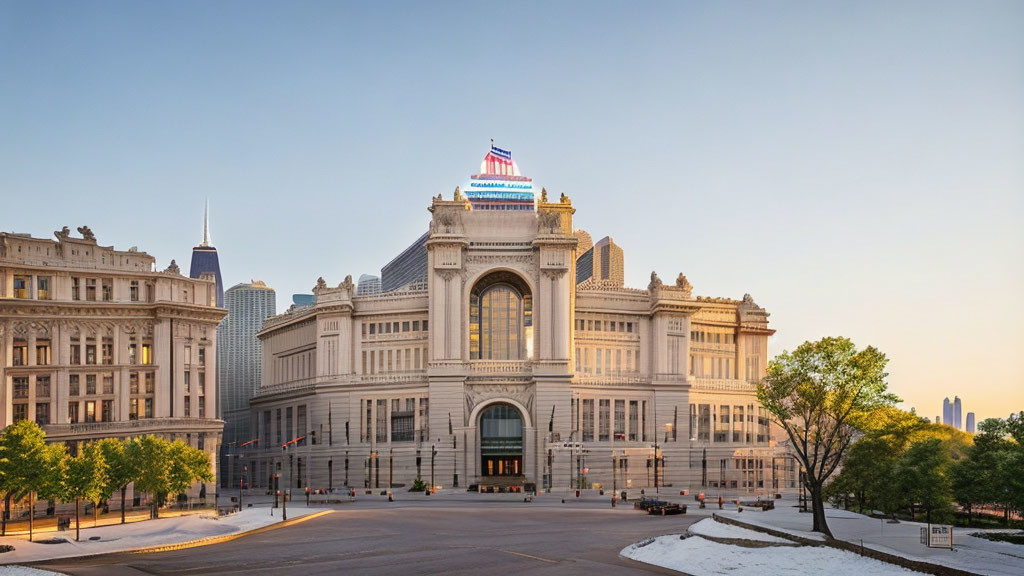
[(90, 384), (188, 406), (133, 383), (20, 411), (108, 289), (188, 382), (202, 383), (373, 328), (21, 284), (20, 386), (147, 353), (424, 325), (598, 355), (133, 411), (608, 362), (579, 359), (382, 420), (133, 290), (402, 426), (132, 356), (20, 357), (72, 412), (416, 355), (149, 383), (722, 430), (704, 422), (202, 407), (588, 419), (289, 429), (90, 411), (618, 361), (387, 328), (90, 292), (107, 411), (108, 383), (415, 325), (73, 385), (634, 419), (43, 288), (107, 351), (90, 353), (42, 352), (149, 407), (620, 419), (42, 386), (604, 420), (367, 434), (42, 413), (75, 289), (737, 428)]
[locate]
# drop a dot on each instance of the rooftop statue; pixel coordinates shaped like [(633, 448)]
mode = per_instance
[(86, 233), (655, 282), (173, 268)]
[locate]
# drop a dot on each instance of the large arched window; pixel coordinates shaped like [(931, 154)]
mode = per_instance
[(500, 318)]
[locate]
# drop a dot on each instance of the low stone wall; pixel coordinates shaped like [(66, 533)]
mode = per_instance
[(917, 565)]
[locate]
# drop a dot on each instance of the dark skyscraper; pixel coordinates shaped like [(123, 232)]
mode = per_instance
[(204, 259)]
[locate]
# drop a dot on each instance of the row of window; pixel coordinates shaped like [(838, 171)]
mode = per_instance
[(729, 423), (711, 366), (607, 361), (290, 427), (43, 355), (394, 327), (600, 424), (709, 337), (396, 360), (297, 366), (89, 289), (604, 325), (87, 410), (399, 424)]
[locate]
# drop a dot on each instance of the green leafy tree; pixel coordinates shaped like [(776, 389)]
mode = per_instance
[(820, 394), (866, 474), (188, 466), (33, 467), (84, 479), (122, 471), (923, 480), (150, 454)]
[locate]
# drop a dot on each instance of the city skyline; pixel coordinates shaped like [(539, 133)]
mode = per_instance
[(910, 173)]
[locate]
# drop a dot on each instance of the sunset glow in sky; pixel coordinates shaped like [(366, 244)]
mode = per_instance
[(857, 167)]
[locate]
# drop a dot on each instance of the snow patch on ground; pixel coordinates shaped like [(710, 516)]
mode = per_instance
[(700, 557), (145, 534), (715, 529), (24, 571)]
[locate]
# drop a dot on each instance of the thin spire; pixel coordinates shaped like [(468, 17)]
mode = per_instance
[(206, 224)]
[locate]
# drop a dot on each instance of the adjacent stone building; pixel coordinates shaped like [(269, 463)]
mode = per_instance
[(97, 343), (495, 368)]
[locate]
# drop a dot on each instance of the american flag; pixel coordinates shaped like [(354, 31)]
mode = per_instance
[(499, 161)]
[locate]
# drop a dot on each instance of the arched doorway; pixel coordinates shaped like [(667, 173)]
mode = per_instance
[(501, 441)]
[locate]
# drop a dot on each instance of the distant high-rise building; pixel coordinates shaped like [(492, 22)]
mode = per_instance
[(368, 284), (409, 267), (303, 299), (604, 262), (239, 362), (947, 412), (205, 260), (938, 419), (970, 422), (957, 420)]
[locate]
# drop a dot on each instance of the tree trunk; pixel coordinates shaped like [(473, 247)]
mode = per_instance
[(818, 506), (78, 522), (95, 514), (7, 512), (31, 515), (928, 514), (123, 490)]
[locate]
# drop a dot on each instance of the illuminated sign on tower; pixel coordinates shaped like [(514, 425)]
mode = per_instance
[(500, 186)]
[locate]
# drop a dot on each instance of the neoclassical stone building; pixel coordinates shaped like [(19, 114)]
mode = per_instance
[(496, 368), (96, 343)]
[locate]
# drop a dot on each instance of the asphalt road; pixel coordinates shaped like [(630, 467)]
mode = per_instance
[(444, 537)]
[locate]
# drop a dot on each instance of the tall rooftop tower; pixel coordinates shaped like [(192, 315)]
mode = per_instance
[(499, 185), (947, 412), (958, 421), (205, 260)]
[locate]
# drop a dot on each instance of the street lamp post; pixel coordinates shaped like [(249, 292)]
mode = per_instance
[(433, 456), (241, 482), (391, 467)]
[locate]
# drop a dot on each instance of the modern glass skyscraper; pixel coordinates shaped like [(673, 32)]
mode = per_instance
[(239, 366), (205, 260), (957, 414)]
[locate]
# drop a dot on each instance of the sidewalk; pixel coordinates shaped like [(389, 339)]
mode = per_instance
[(166, 531), (903, 539)]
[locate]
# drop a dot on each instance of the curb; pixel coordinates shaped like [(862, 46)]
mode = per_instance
[(209, 541), (916, 565)]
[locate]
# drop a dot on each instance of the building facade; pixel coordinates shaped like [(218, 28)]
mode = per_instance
[(239, 362), (497, 368), (96, 343)]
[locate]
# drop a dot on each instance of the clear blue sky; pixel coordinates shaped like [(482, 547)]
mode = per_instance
[(858, 167)]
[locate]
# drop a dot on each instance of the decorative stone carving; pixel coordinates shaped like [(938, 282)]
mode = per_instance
[(173, 268), (481, 393), (748, 299), (565, 199), (655, 282), (348, 285), (86, 233), (554, 273), (458, 195), (544, 195), (62, 233), (448, 273), (321, 284), (684, 284), (551, 222)]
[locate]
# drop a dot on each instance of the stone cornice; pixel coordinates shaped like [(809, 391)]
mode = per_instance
[(14, 308), (62, 432)]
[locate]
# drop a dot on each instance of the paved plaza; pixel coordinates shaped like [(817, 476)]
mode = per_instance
[(458, 534)]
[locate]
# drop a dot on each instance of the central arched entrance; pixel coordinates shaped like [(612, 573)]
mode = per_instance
[(501, 441)]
